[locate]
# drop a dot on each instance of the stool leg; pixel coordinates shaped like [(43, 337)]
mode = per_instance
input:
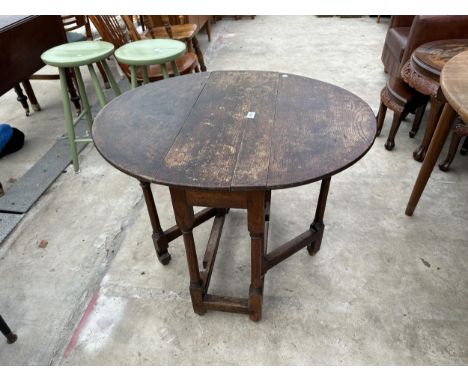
[(32, 97), (175, 69), (22, 99), (84, 97), (104, 74), (111, 78), (97, 86), (159, 239), (164, 71), (317, 225), (256, 225), (133, 76), (185, 220), (69, 120), (10, 336), (381, 117), (145, 74)]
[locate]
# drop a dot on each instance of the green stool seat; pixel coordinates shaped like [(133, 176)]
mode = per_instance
[(150, 52), (73, 55), (77, 53)]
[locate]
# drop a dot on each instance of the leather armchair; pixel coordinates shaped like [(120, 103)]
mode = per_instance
[(404, 35)]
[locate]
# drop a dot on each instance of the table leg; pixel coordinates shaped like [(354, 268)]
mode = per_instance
[(185, 220), (22, 99), (256, 226), (159, 238), (435, 147), (198, 52), (32, 97), (317, 225), (10, 336)]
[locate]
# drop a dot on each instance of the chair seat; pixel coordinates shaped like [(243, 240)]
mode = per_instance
[(148, 52), (77, 53), (186, 64), (179, 32)]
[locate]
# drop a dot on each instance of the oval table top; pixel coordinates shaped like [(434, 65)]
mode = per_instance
[(454, 84), (234, 130), (431, 57)]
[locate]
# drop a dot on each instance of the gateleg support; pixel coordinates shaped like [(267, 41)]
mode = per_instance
[(317, 225)]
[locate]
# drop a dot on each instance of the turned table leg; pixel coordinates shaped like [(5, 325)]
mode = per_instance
[(256, 226), (317, 225), (159, 238), (4, 328), (435, 147), (185, 220), (21, 98)]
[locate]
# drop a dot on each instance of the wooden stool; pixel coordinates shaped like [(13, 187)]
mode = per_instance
[(422, 72), (140, 54), (73, 55)]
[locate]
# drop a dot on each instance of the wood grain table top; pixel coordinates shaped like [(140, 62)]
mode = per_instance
[(431, 57), (235, 130), (454, 83)]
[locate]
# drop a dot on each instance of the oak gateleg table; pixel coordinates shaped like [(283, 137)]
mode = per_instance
[(225, 140)]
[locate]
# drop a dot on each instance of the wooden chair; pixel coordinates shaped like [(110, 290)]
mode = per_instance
[(161, 27), (112, 31)]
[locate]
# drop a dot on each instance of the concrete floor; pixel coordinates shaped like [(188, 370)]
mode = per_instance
[(385, 289)]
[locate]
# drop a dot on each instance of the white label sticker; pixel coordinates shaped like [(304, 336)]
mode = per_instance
[(250, 114)]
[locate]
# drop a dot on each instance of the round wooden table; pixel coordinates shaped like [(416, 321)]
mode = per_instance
[(454, 84), (225, 140), (422, 72)]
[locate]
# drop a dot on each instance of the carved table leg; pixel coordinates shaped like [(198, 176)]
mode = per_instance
[(159, 238), (436, 110), (32, 97), (256, 225), (317, 225), (22, 99), (435, 147), (10, 336), (185, 220)]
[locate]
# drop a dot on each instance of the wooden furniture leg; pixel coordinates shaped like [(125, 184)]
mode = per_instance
[(161, 238), (381, 118), (397, 118), (256, 226), (10, 336), (74, 97), (32, 97), (21, 98), (464, 149), (459, 132), (199, 53), (185, 220), (436, 110), (435, 147), (317, 225), (417, 119)]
